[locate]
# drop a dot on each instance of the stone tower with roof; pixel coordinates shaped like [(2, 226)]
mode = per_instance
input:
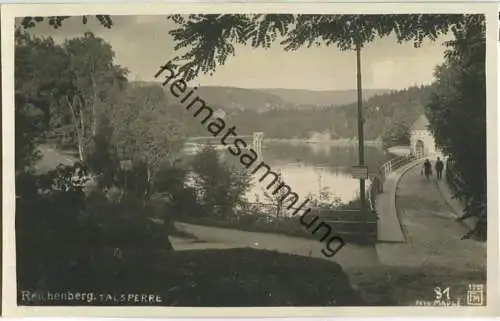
[(422, 141)]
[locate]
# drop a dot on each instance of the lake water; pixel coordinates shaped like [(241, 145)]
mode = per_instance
[(308, 168)]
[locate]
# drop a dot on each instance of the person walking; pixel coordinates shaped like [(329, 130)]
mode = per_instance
[(439, 168), (427, 169)]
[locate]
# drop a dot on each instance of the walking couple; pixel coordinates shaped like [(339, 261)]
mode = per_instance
[(427, 168)]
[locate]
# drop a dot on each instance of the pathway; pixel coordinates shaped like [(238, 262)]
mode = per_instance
[(420, 246), (222, 238), (389, 226), (455, 205), (429, 252), (349, 256), (432, 234), (416, 226)]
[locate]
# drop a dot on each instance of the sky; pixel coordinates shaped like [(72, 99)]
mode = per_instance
[(142, 44)]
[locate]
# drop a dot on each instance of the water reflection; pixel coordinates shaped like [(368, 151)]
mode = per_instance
[(308, 168), (307, 179)]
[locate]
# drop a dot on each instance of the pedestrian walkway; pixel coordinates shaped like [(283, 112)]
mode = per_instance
[(389, 227), (432, 234), (455, 205), (351, 256)]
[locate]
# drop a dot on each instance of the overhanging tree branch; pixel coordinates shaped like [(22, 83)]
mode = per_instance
[(208, 40)]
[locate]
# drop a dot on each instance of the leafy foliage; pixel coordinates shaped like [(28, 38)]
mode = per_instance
[(63, 226), (93, 75), (172, 184), (65, 85), (209, 39), (457, 114), (75, 93), (277, 198), (221, 187), (397, 134), (37, 61), (53, 210), (142, 131), (26, 152), (57, 21)]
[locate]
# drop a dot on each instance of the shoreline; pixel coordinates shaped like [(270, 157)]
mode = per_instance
[(335, 142), (190, 147)]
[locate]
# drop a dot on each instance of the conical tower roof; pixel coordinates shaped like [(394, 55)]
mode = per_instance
[(422, 123)]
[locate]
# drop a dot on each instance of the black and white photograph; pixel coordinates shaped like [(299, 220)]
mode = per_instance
[(1, 218), (251, 160)]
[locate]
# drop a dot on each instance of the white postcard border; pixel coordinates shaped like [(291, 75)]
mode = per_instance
[(9, 12)]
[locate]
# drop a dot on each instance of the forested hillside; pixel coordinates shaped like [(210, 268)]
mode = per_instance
[(249, 110), (275, 98), (381, 113), (310, 98)]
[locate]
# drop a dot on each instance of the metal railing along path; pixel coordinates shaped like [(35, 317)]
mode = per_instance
[(377, 182)]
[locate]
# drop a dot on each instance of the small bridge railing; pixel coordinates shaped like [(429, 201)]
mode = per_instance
[(352, 225), (377, 180), (212, 139)]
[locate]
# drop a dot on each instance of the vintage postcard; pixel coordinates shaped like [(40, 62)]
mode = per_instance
[(1, 220), (250, 160)]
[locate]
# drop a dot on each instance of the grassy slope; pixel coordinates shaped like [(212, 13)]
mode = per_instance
[(215, 278)]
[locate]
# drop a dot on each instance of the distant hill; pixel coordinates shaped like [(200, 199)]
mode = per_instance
[(323, 98), (380, 113), (252, 110), (275, 98), (240, 98)]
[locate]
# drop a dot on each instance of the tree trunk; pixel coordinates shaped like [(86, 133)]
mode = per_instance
[(80, 149), (94, 101), (79, 128), (81, 144), (148, 184)]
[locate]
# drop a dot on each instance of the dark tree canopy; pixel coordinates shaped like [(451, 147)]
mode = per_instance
[(57, 21), (47, 76), (457, 114)]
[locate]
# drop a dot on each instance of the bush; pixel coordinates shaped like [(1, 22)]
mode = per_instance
[(225, 278), (397, 134), (221, 188), (59, 229), (173, 193), (170, 179)]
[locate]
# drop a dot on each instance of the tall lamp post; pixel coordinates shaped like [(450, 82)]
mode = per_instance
[(361, 140)]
